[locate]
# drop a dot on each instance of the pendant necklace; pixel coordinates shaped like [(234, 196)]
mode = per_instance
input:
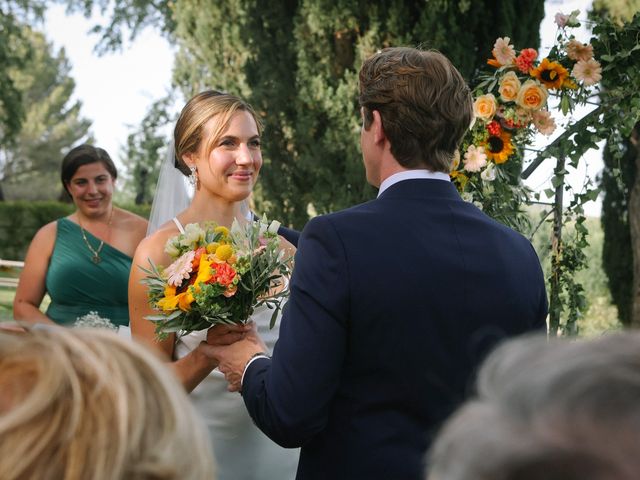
[(96, 252)]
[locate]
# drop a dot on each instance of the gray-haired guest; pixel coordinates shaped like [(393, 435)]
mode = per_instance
[(546, 410)]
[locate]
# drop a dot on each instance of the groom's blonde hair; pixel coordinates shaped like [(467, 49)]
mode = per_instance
[(190, 132), (89, 405)]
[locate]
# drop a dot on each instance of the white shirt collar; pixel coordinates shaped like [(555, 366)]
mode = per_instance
[(411, 175)]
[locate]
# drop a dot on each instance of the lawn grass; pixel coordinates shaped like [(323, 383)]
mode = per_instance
[(6, 304), (7, 294)]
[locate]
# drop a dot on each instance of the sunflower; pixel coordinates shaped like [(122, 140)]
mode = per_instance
[(498, 147), (551, 74)]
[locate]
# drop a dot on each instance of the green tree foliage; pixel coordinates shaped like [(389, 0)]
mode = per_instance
[(145, 149), (29, 167), (14, 51), (297, 63), (622, 10), (618, 178), (127, 19)]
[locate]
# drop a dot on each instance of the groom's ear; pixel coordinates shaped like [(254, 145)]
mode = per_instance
[(378, 128)]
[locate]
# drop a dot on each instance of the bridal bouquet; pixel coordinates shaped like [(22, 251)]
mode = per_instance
[(217, 276)]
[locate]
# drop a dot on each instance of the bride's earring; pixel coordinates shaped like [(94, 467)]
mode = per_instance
[(193, 178)]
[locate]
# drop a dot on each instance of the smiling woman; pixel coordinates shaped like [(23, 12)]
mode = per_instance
[(82, 261)]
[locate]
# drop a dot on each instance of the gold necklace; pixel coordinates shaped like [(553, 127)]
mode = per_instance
[(96, 252)]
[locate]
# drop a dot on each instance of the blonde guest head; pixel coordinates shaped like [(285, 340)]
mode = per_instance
[(86, 404)]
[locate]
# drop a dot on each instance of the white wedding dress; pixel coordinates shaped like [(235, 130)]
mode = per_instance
[(242, 451)]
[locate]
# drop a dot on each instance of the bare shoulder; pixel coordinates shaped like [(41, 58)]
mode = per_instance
[(46, 234), (131, 221), (152, 247), (42, 243)]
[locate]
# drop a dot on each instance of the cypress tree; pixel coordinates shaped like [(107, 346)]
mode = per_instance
[(618, 176)]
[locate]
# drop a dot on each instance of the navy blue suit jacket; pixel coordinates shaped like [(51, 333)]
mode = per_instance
[(393, 305)]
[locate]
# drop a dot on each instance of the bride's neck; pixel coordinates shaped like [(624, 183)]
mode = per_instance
[(205, 209)]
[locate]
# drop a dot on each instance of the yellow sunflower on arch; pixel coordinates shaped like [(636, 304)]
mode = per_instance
[(551, 74), (498, 147)]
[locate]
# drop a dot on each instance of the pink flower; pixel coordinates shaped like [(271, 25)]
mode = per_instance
[(544, 122), (561, 19), (525, 60), (588, 72), (474, 159), (503, 52), (180, 269), (579, 51)]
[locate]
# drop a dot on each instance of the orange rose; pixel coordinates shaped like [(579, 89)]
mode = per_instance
[(485, 107), (532, 95), (509, 87)]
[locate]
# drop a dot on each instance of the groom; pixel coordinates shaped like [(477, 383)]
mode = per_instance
[(393, 302)]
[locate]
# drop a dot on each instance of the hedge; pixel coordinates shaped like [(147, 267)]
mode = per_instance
[(20, 220)]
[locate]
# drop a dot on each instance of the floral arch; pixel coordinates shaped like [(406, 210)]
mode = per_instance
[(511, 104)]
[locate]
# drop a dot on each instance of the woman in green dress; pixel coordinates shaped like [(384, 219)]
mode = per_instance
[(82, 261)]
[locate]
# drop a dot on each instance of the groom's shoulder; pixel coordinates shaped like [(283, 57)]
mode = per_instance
[(344, 224), (350, 214)]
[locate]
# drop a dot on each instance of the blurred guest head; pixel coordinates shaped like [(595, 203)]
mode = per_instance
[(548, 410), (87, 404)]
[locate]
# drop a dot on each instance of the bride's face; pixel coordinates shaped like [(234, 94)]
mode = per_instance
[(231, 169)]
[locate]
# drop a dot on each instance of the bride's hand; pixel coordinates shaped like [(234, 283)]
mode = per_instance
[(227, 334)]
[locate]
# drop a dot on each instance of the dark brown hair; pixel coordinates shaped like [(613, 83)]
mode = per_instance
[(84, 155), (188, 133), (425, 105)]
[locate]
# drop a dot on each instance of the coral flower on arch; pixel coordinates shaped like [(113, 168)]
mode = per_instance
[(498, 147), (551, 74)]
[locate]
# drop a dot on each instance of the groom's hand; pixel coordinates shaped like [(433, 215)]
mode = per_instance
[(233, 358)]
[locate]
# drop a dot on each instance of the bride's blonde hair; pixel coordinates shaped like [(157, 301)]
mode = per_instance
[(189, 130), (87, 404)]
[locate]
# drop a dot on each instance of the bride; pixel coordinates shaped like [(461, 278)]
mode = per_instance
[(217, 145)]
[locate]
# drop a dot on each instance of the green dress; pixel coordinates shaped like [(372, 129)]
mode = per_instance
[(78, 286)]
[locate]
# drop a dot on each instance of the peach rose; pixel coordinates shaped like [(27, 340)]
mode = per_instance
[(532, 95), (509, 87), (485, 107)]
